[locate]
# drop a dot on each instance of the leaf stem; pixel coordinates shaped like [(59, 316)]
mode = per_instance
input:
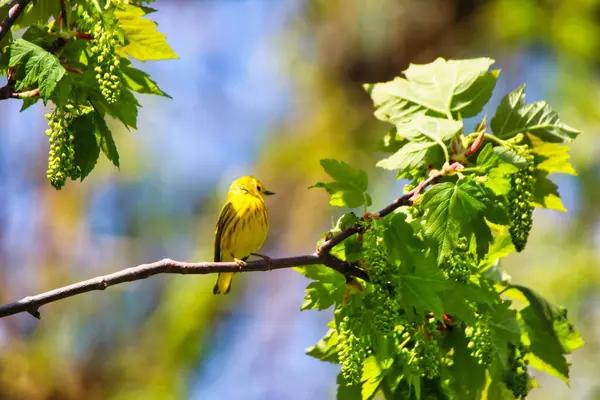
[(471, 169), (493, 138)]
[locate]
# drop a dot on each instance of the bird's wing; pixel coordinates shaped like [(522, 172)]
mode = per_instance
[(225, 217)]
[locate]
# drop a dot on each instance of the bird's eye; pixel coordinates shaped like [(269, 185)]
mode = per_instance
[(259, 188)]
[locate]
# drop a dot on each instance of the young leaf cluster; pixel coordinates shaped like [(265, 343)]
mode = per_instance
[(76, 56), (433, 321)]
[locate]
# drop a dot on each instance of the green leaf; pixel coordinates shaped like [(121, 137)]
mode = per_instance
[(350, 185), (85, 129), (351, 248), (346, 391), (424, 128), (551, 157), (371, 378), (468, 377), (125, 109), (513, 116), (105, 140), (501, 247), (138, 80), (344, 222), (326, 348), (420, 289), (553, 320), (544, 345), (498, 179), (37, 13), (41, 68), (498, 170), (545, 193), (439, 88), (145, 41), (425, 134), (509, 156), (328, 288), (389, 107), (400, 239), (458, 209), (411, 156), (505, 329), (464, 306), (504, 324), (341, 172), (457, 86), (39, 36), (28, 102), (495, 388), (486, 158)]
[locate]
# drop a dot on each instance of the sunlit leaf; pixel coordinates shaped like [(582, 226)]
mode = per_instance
[(329, 287), (551, 157), (145, 41), (513, 116), (426, 136), (349, 188), (326, 348), (455, 210), (440, 88), (545, 193)]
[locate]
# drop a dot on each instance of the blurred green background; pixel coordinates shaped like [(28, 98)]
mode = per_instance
[(268, 87)]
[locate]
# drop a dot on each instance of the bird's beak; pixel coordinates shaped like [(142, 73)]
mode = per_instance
[(268, 193)]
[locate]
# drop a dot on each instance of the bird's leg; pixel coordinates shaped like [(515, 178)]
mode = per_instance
[(240, 263), (266, 258)]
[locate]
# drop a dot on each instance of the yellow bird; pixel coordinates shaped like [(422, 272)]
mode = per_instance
[(242, 227)]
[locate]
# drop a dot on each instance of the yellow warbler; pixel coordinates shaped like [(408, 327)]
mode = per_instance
[(242, 227)]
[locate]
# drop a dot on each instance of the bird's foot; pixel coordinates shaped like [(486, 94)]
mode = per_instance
[(240, 263)]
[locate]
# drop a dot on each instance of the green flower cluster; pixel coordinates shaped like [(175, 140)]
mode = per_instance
[(351, 348), (517, 380), (384, 298), (519, 200), (107, 61), (421, 355), (386, 312), (458, 267), (61, 157), (480, 340)]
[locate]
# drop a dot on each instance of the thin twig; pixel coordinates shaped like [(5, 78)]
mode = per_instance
[(16, 9)]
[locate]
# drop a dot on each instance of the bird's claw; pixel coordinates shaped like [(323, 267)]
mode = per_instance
[(240, 263)]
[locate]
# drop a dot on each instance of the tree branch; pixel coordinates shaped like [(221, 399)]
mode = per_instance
[(31, 304), (14, 12)]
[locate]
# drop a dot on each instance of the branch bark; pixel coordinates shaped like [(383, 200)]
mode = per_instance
[(16, 9), (7, 92), (31, 304)]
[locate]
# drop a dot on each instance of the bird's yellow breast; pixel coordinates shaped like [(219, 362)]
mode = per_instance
[(247, 230)]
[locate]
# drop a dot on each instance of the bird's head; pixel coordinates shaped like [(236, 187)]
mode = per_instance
[(249, 184)]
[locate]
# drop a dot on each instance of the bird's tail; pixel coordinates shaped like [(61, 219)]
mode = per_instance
[(223, 283)]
